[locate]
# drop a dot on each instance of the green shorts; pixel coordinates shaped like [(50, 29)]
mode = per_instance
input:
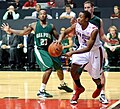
[(45, 61)]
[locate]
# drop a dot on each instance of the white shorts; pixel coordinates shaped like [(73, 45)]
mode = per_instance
[(94, 58)]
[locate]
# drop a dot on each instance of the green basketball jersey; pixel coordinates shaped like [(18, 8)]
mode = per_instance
[(96, 21), (43, 36)]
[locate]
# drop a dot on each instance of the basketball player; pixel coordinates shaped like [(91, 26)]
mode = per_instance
[(43, 38), (89, 6), (88, 55)]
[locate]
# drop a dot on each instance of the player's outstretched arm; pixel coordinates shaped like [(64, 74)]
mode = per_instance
[(5, 27)]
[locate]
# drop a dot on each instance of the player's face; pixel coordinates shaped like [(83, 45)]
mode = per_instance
[(81, 19), (42, 15), (88, 7)]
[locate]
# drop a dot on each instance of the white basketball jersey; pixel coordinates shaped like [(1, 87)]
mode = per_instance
[(84, 35)]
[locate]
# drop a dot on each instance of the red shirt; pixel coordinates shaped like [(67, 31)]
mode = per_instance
[(114, 15), (30, 4), (51, 5)]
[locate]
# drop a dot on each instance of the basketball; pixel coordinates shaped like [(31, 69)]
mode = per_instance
[(55, 49)]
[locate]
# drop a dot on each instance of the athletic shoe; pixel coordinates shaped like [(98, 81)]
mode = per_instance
[(75, 97), (103, 99), (96, 93), (65, 87), (43, 94)]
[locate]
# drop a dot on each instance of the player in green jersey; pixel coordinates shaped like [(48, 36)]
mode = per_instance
[(44, 33)]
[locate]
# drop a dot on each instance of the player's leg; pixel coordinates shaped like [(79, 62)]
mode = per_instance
[(42, 92), (63, 85), (78, 87), (45, 63), (96, 93), (103, 98), (95, 69), (78, 63), (58, 68)]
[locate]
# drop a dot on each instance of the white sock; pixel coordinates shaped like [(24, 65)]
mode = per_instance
[(106, 62), (43, 86), (62, 82), (102, 92)]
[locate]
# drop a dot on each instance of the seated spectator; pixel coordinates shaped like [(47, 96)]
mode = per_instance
[(30, 4), (71, 3), (17, 4), (51, 4), (113, 50), (9, 50), (68, 14), (116, 13), (11, 14), (35, 14)]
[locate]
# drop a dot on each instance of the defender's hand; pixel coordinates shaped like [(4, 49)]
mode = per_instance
[(68, 54), (6, 28)]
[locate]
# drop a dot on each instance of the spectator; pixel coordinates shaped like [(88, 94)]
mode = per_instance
[(113, 50), (116, 13), (30, 4), (11, 14), (17, 4), (9, 50), (51, 4), (71, 3), (68, 14), (35, 14)]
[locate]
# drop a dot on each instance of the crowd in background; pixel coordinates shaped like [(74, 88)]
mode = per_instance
[(17, 52)]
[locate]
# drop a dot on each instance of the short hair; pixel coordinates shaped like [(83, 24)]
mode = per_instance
[(90, 2), (67, 5), (38, 5), (87, 14), (116, 7), (113, 27)]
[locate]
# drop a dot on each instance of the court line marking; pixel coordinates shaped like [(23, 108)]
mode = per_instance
[(113, 105)]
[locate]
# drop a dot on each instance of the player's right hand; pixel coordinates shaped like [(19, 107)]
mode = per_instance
[(5, 27)]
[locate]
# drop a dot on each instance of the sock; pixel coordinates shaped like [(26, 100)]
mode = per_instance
[(106, 62), (99, 86), (77, 82), (62, 82), (102, 92), (42, 87)]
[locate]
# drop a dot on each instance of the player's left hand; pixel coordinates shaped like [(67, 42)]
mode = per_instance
[(68, 54)]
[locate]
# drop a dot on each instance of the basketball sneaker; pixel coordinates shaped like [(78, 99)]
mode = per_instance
[(103, 99), (76, 94), (96, 93), (65, 87), (43, 94)]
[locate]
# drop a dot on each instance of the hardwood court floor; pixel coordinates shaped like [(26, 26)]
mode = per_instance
[(18, 91)]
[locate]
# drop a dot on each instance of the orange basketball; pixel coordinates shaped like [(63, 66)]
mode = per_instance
[(55, 49)]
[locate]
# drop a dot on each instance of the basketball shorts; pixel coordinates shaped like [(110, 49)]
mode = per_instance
[(45, 61), (93, 59)]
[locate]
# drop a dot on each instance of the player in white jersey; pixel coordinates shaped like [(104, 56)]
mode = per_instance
[(88, 55), (93, 57)]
